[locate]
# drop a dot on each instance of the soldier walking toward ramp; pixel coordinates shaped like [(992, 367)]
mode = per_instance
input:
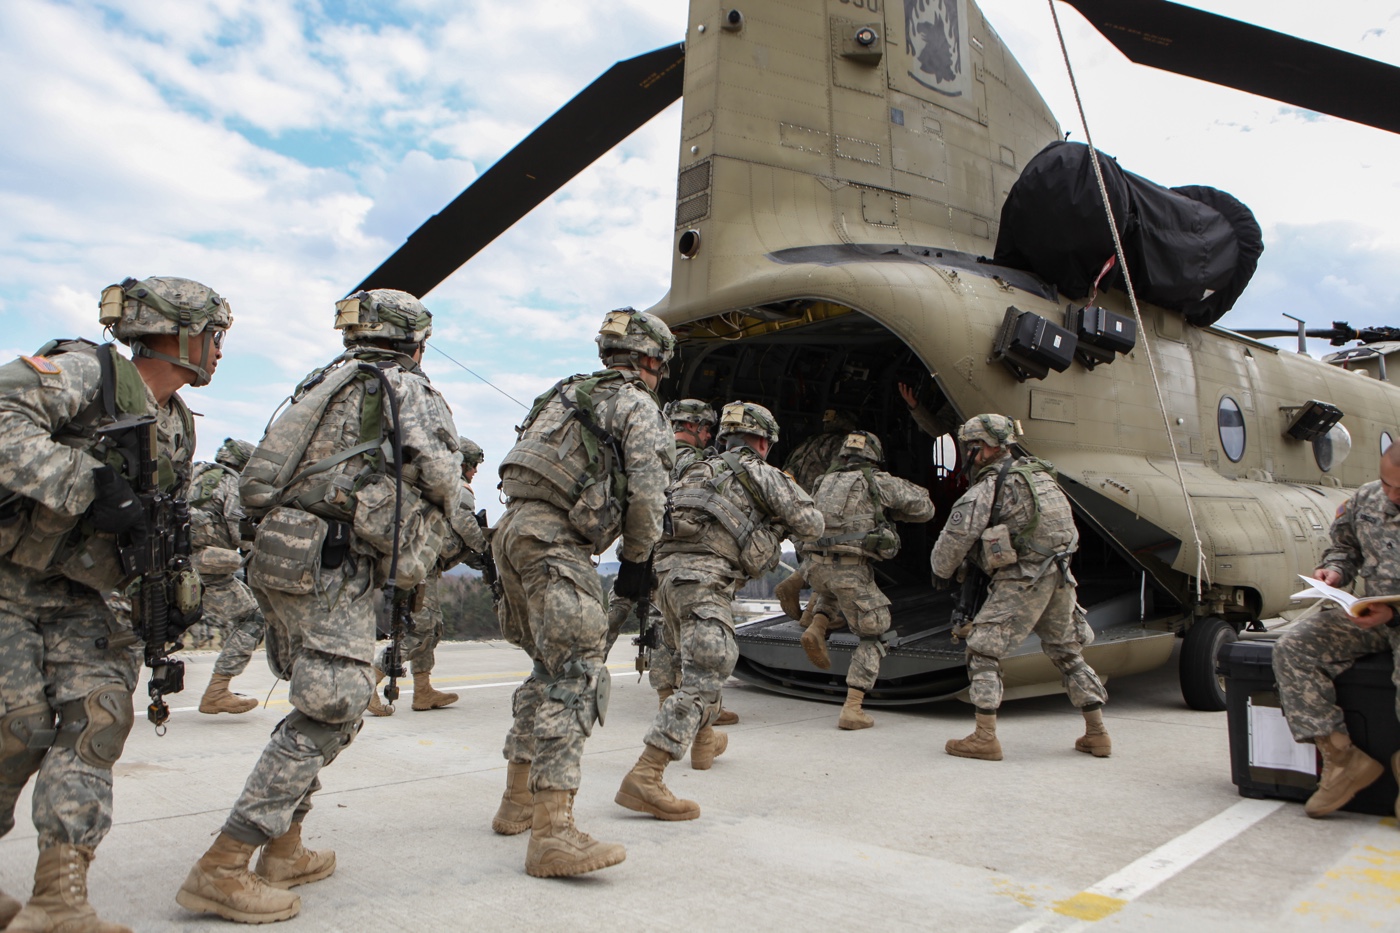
[(1015, 523), (592, 463), (339, 519), (216, 518), (729, 515), (858, 502), (1313, 653), (65, 497)]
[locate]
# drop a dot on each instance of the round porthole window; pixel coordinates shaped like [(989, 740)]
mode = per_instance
[(1231, 422), (1331, 449)]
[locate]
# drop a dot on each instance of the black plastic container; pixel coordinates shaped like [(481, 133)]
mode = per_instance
[(1366, 695)]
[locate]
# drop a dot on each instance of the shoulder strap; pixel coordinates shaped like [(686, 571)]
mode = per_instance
[(995, 518), (741, 473)]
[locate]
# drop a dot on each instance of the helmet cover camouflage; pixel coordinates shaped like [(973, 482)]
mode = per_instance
[(162, 305), (993, 430), (472, 454), (864, 445), (383, 314), (637, 332), (690, 411), (835, 421), (233, 453), (747, 418)]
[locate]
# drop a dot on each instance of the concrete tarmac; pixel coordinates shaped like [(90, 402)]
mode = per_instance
[(803, 826)]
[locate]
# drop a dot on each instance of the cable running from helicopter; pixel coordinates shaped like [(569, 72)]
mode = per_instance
[(1132, 299)]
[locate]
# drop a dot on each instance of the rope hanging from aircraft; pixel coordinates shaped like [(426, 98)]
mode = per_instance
[(1132, 300), (481, 377)]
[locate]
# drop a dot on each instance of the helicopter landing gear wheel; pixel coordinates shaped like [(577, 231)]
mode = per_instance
[(1201, 686)]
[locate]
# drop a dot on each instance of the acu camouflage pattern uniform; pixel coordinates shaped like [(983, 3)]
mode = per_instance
[(810, 460), (229, 606), (840, 572), (1365, 546), (1034, 594), (700, 575), (553, 597), (322, 643), (50, 622)]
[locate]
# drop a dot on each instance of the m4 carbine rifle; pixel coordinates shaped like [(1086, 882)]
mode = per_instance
[(155, 554)]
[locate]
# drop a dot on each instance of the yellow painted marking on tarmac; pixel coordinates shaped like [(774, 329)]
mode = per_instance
[(1017, 892), (1364, 887), (1089, 906), (425, 741)]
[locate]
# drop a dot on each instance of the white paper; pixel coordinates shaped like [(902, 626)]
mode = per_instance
[(1319, 590), (1271, 745)]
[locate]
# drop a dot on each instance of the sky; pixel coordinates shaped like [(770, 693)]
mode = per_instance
[(279, 150)]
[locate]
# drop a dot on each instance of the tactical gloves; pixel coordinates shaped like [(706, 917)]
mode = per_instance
[(116, 508), (634, 580)]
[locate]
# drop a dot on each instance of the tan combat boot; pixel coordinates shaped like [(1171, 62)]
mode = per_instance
[(59, 903), (852, 716), (220, 883), (517, 808), (1346, 770), (709, 744), (285, 862), (814, 641), (644, 791), (789, 595), (219, 699), (426, 697), (8, 908), (726, 717), (1095, 739), (376, 705), (982, 743), (557, 848)]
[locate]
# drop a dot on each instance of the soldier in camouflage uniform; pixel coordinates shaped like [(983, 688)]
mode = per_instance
[(466, 545), (1315, 652), (806, 464), (1015, 523), (858, 503), (592, 462), (67, 704), (318, 562), (215, 525), (729, 514)]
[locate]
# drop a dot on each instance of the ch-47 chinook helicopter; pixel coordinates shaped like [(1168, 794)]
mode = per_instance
[(845, 170)]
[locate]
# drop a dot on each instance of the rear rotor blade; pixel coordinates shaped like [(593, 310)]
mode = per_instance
[(603, 114), (1250, 58)]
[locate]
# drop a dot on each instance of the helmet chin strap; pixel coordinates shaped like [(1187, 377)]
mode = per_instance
[(202, 377)]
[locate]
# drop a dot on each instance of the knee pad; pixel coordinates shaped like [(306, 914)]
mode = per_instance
[(96, 726), (707, 701), (25, 736), (329, 738)]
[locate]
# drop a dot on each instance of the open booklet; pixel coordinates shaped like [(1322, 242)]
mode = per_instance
[(1354, 605)]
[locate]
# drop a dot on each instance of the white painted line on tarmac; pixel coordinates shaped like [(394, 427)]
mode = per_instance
[(1119, 889)]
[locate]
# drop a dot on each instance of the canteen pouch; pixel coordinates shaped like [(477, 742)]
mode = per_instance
[(761, 551), (287, 552), (997, 551), (882, 543)]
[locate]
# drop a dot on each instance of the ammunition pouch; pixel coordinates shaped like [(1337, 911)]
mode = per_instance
[(997, 548), (287, 552), (25, 736), (597, 515), (96, 726)]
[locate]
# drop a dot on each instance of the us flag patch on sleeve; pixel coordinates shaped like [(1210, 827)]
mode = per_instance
[(42, 365)]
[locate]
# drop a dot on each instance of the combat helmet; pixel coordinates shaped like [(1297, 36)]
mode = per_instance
[(384, 315), (627, 335), (472, 454), (138, 308), (747, 418), (690, 411), (862, 445), (992, 430), (836, 421), (233, 454)]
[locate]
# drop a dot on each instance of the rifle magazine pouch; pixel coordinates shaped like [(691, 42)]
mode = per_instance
[(287, 552), (597, 515), (997, 550)]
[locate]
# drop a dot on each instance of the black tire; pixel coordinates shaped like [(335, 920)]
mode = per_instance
[(1201, 687)]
